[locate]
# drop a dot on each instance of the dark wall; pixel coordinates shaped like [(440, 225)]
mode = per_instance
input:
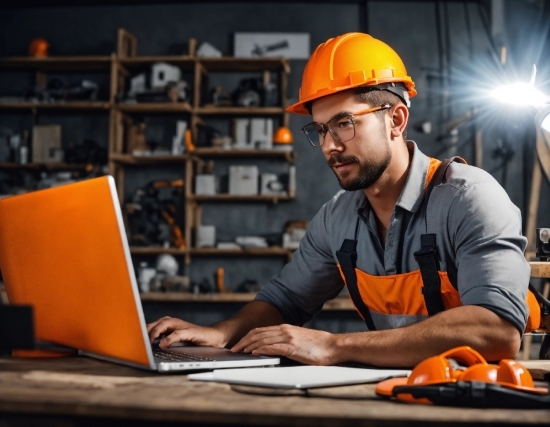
[(445, 46)]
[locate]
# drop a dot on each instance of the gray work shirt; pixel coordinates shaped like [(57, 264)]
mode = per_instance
[(479, 241)]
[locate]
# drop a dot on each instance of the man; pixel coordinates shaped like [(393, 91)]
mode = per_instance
[(357, 90)]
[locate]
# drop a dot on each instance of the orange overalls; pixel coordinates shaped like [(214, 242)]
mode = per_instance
[(423, 292)]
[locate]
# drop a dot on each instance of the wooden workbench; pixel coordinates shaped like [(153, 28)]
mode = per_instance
[(76, 391)]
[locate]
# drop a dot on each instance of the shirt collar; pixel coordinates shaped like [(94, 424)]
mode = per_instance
[(413, 190)]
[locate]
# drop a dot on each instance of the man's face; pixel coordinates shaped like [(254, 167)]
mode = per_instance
[(359, 162)]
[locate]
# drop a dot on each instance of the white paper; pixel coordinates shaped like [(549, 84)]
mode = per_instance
[(299, 376)]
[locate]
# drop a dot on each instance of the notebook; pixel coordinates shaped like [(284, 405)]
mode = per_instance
[(64, 251), (299, 377)]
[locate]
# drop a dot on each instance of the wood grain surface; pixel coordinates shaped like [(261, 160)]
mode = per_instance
[(85, 387)]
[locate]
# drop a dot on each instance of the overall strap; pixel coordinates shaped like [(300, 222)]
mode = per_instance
[(347, 257), (427, 257), (428, 261)]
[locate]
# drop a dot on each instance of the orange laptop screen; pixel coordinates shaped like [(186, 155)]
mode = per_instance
[(64, 251)]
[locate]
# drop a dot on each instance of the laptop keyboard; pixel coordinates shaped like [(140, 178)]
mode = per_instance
[(171, 356)]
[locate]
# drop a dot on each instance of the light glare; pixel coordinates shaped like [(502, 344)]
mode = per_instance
[(546, 123), (519, 94)]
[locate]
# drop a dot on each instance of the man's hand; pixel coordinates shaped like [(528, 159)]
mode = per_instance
[(300, 344), (176, 330)]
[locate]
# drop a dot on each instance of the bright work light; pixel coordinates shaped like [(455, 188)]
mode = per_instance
[(521, 94)]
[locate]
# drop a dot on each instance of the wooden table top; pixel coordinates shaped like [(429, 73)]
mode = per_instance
[(85, 387)]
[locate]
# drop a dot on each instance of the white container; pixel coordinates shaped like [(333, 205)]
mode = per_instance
[(205, 185), (145, 275), (261, 133), (205, 236), (241, 133), (243, 180), (163, 73), (270, 184)]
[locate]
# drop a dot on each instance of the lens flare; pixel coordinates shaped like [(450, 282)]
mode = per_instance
[(520, 94)]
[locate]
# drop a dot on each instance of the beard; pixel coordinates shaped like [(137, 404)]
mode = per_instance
[(368, 174)]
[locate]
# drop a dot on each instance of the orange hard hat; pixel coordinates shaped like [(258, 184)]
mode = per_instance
[(283, 135), (461, 364), (39, 48), (352, 60)]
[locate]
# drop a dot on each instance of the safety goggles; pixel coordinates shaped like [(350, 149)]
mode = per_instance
[(341, 127)]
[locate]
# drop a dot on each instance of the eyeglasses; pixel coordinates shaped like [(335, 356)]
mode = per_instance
[(341, 127)]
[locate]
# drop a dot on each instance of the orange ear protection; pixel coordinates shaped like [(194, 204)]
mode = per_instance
[(462, 377)]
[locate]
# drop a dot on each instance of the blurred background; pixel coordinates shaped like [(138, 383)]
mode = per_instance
[(94, 103)]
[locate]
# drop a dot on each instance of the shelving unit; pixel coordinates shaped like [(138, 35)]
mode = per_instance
[(40, 70), (118, 68), (195, 111)]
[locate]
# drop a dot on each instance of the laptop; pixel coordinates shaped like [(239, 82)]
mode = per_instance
[(64, 251)]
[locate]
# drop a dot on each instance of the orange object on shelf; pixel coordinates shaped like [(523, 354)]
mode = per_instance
[(189, 140), (283, 135), (39, 48)]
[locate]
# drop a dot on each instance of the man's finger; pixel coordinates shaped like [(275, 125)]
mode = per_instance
[(266, 341), (278, 349), (257, 340), (176, 336), (155, 323), (167, 325)]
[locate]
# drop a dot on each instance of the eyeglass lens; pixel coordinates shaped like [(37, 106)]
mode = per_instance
[(342, 129)]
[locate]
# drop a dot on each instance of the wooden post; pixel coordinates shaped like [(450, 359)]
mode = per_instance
[(532, 213), (126, 44)]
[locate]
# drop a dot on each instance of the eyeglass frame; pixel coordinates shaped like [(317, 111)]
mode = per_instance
[(326, 128)]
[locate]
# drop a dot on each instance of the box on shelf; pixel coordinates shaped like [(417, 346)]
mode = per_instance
[(205, 185), (253, 133), (205, 236), (242, 134), (46, 143), (243, 180), (251, 241), (261, 133)]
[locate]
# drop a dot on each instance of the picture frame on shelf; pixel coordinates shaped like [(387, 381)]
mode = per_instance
[(270, 45)]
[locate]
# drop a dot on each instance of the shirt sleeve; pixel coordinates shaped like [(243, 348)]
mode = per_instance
[(489, 246), (310, 279)]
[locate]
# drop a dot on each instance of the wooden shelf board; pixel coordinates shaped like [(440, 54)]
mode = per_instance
[(58, 63), (337, 304), (221, 152), (256, 111), (243, 64), (129, 159), (182, 61), (540, 269), (272, 251), (69, 105), (225, 64), (148, 250), (184, 296), (235, 198), (48, 166), (155, 107)]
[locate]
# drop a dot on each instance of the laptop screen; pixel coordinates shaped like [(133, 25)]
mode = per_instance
[(64, 251)]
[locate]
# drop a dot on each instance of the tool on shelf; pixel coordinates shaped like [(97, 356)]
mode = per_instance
[(151, 218)]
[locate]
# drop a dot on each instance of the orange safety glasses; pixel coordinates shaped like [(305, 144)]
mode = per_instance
[(462, 377)]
